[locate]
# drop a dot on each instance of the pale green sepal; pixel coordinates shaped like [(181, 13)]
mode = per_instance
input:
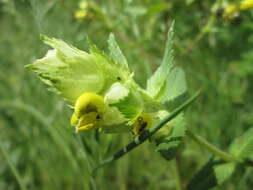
[(126, 98), (116, 93)]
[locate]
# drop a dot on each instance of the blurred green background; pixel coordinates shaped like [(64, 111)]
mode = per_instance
[(39, 149)]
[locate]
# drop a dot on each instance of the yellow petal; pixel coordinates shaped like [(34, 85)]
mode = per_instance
[(74, 120), (80, 14), (89, 102), (246, 4), (86, 127)]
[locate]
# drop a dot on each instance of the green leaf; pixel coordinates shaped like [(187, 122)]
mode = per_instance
[(116, 53), (242, 147), (174, 87), (168, 145), (224, 171), (158, 79), (205, 178), (214, 173)]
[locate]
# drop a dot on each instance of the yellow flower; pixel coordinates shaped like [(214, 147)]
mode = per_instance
[(246, 4), (144, 121), (80, 14), (233, 10), (88, 111)]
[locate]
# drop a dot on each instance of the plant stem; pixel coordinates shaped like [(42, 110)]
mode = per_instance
[(92, 180), (204, 143), (177, 174)]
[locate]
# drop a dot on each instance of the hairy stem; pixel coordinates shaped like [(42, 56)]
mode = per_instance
[(177, 174), (204, 143)]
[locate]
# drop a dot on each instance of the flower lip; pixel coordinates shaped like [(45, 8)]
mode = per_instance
[(88, 111)]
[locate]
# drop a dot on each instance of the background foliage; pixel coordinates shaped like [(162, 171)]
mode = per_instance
[(39, 150)]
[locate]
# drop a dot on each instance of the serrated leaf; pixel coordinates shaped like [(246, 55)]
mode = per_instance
[(212, 174), (204, 179), (174, 87), (242, 147), (156, 82), (115, 52), (168, 145), (224, 171)]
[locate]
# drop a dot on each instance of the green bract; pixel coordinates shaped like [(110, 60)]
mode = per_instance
[(71, 72)]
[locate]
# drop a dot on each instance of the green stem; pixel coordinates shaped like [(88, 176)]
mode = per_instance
[(204, 143), (93, 183), (147, 134), (177, 174)]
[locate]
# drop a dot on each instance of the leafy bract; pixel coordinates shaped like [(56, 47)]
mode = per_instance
[(121, 70), (71, 72), (158, 79), (69, 76), (175, 88), (115, 52)]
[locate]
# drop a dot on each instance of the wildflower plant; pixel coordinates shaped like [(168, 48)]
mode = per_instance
[(101, 90), (103, 94)]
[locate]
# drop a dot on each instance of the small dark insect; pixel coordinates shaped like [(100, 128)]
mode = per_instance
[(98, 117), (118, 78)]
